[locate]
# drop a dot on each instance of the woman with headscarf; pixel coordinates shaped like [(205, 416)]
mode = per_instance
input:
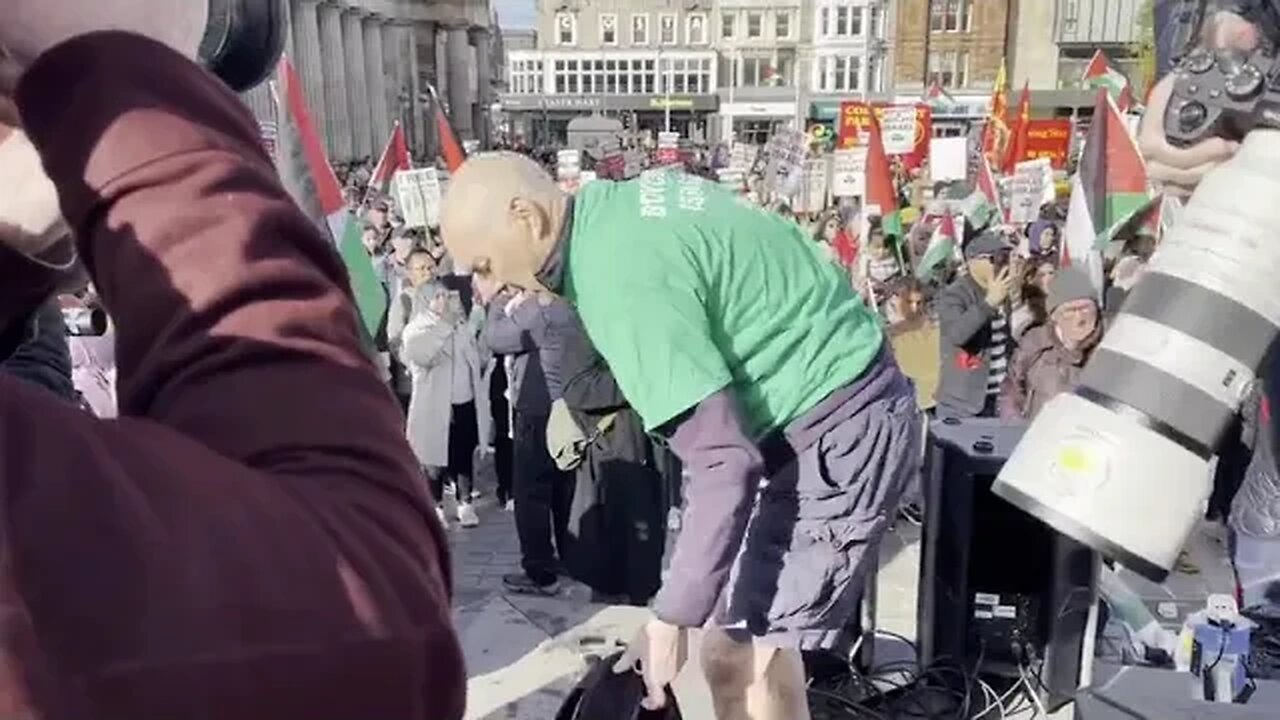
[(448, 413)]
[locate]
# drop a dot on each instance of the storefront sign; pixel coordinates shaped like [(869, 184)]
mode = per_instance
[(1049, 139), (682, 103), (905, 129)]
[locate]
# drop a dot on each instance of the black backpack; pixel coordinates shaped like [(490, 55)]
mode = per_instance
[(604, 695)]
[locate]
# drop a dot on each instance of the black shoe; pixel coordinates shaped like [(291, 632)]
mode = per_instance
[(522, 584), (243, 40)]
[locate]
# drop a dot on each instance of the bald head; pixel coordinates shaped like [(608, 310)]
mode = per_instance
[(501, 216)]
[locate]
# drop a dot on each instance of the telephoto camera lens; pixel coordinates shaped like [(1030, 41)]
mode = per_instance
[(1122, 463)]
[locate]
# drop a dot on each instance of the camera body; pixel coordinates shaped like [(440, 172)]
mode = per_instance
[(1223, 94)]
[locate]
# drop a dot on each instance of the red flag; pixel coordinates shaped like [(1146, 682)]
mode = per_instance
[(995, 133), (395, 157), (450, 149), (1125, 102), (1021, 132), (880, 189)]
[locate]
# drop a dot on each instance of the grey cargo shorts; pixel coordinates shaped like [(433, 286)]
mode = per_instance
[(818, 520)]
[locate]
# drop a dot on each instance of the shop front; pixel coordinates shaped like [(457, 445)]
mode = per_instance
[(754, 122), (544, 119)]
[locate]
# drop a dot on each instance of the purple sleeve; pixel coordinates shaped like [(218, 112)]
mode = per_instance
[(725, 468)]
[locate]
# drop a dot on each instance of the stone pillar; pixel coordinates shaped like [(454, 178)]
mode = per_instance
[(425, 64), (306, 40), (357, 94), (261, 103), (484, 85), (376, 80), (288, 36), (335, 83), (458, 61), (403, 88)]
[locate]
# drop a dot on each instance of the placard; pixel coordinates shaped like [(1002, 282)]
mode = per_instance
[(1049, 139), (418, 193), (948, 159), (813, 186), (784, 161), (849, 172), (1030, 180), (855, 119)]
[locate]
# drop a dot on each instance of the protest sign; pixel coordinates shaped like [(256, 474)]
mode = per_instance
[(668, 148), (568, 164), (1030, 180), (784, 157), (813, 188), (849, 172), (418, 192), (1048, 139), (948, 159), (911, 127)]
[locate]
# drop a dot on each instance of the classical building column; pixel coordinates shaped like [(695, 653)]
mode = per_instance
[(376, 77), (357, 94), (458, 59), (335, 83), (401, 86), (425, 64), (306, 41), (261, 103), (484, 85)]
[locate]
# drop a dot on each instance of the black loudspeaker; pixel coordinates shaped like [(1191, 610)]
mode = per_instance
[(243, 40), (998, 588), (605, 695)]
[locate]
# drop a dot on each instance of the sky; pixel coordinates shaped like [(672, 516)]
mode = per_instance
[(515, 13)]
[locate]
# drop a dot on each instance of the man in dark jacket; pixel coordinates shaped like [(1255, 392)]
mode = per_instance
[(44, 359), (973, 319), (617, 524), (526, 328)]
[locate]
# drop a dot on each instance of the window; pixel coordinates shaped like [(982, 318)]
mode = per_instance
[(640, 29), (950, 16), (875, 21), (526, 77), (839, 73), (728, 25), (696, 29), (842, 21), (683, 75), (609, 29), (782, 24), (667, 29), (949, 68), (755, 24), (566, 29)]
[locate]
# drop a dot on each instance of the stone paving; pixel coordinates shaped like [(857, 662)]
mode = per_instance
[(525, 653)]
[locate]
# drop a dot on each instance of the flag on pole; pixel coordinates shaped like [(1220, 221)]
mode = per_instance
[(306, 174), (1125, 102), (1099, 73), (1021, 132), (937, 97), (1109, 188), (880, 189), (995, 133), (450, 149), (942, 246), (395, 157)]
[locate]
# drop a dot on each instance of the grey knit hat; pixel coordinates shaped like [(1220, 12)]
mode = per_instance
[(1069, 284)]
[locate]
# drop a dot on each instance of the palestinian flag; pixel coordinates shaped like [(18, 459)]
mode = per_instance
[(395, 157), (1017, 150), (983, 208), (306, 174), (1100, 74), (995, 133), (1125, 102), (942, 247), (1109, 188), (937, 97), (450, 149), (880, 190)]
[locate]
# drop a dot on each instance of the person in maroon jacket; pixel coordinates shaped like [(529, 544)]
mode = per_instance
[(249, 539)]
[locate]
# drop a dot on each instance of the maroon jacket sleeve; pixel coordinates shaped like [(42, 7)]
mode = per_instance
[(252, 537)]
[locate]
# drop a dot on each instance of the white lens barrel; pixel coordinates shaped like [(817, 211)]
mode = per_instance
[(1122, 464)]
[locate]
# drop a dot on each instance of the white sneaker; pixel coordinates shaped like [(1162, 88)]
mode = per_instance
[(444, 519), (467, 516), (510, 506)]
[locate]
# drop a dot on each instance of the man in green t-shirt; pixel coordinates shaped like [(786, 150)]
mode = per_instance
[(735, 339)]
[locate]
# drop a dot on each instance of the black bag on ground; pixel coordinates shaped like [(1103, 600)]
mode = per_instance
[(604, 695)]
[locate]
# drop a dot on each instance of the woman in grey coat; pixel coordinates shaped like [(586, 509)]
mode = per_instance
[(448, 408)]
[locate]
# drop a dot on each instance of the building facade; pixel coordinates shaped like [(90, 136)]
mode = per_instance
[(761, 45), (366, 64), (852, 56), (649, 63), (957, 45)]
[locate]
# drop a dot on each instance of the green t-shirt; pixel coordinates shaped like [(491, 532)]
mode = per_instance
[(685, 289)]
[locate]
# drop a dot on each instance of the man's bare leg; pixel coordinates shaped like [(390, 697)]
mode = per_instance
[(752, 680)]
